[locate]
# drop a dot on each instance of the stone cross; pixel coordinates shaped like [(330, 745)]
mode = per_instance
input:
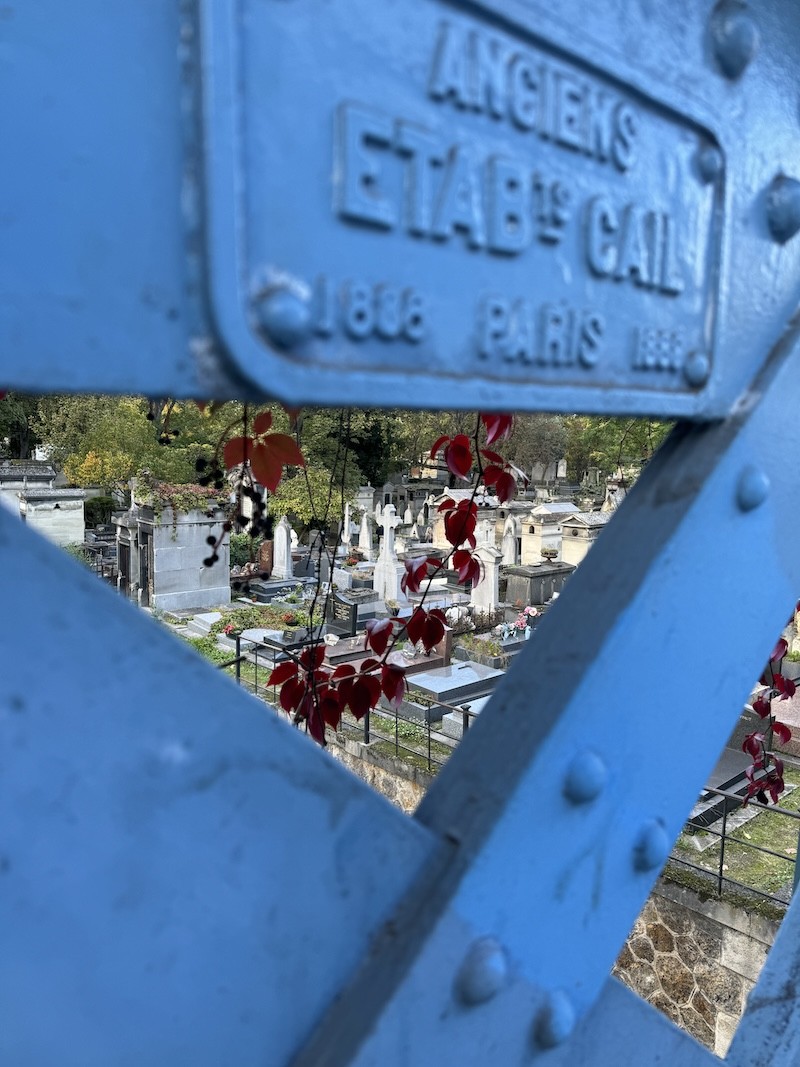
[(389, 522), (282, 567)]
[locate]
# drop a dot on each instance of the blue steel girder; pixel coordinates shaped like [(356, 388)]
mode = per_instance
[(185, 879)]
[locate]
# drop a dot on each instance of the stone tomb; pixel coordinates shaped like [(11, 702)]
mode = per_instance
[(457, 684), (536, 584)]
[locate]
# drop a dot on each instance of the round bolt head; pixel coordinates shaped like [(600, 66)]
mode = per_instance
[(652, 846), (696, 369), (555, 1020), (285, 317), (586, 778), (783, 208), (483, 973), (735, 36), (752, 488), (709, 163)]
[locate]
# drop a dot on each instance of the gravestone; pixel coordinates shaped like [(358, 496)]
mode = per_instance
[(282, 567), (455, 684), (347, 530), (388, 571), (342, 615), (485, 595), (408, 517), (365, 537), (485, 533), (510, 542)]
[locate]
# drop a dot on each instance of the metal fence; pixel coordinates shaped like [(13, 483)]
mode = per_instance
[(717, 871), (395, 733)]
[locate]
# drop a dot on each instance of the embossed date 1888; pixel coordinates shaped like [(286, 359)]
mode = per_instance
[(365, 310)]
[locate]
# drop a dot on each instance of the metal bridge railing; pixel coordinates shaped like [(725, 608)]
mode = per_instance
[(717, 871)]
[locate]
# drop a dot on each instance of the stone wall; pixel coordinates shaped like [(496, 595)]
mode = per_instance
[(696, 961), (397, 780)]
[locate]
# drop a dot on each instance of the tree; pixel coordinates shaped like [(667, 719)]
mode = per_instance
[(537, 439), (101, 440), (608, 443), (309, 496), (17, 425)]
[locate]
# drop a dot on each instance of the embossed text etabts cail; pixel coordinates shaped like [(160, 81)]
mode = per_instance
[(462, 200)]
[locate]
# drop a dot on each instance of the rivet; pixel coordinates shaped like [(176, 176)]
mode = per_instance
[(483, 973), (735, 36), (783, 208), (555, 1020), (652, 846), (752, 488), (585, 778), (709, 163), (697, 368), (285, 317)]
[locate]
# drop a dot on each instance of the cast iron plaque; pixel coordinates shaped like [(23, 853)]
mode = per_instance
[(406, 198)]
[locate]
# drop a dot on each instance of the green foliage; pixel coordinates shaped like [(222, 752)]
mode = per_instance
[(98, 510), (103, 440), (180, 498), (263, 617), (323, 505), (608, 443), (78, 552), (208, 648), (244, 548)]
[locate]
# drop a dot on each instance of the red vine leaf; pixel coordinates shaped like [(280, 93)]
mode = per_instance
[(761, 705), (312, 657), (782, 732), (262, 422), (237, 451), (331, 709), (365, 694), (785, 686), (498, 427), (393, 683), (378, 633), (467, 566), (753, 745), (282, 672), (458, 456), (416, 572), (779, 651), (292, 693), (415, 625), (438, 444)]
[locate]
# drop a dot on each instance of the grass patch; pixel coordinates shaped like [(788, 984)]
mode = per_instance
[(742, 863)]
